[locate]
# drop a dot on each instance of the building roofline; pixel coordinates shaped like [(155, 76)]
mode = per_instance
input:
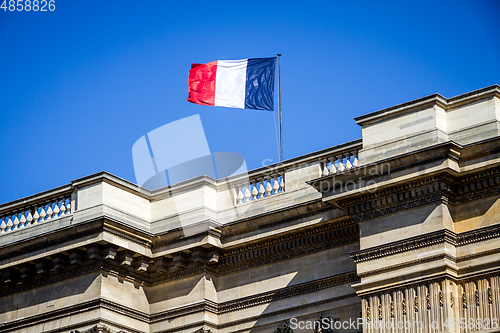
[(104, 176), (434, 99)]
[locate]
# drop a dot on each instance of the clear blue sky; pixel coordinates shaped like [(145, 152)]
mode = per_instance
[(79, 85)]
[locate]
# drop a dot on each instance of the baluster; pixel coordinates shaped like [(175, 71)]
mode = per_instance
[(56, 209), (16, 220), (282, 182), (255, 192), (247, 192), (348, 164), (49, 211), (262, 190), (324, 169), (22, 220), (234, 193), (63, 207), (276, 185), (68, 205), (9, 224), (355, 162), (340, 168), (3, 225), (333, 169), (269, 188), (29, 218), (42, 214), (36, 216), (239, 194)]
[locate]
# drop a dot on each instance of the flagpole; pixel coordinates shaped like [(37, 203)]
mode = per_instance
[(281, 121)]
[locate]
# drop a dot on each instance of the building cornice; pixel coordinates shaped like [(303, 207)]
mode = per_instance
[(443, 187), (442, 256), (434, 99), (204, 306), (101, 256), (427, 240), (262, 316)]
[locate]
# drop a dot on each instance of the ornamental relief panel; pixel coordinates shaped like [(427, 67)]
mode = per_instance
[(437, 306)]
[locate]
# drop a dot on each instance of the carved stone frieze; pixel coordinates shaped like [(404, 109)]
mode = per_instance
[(437, 237), (287, 247), (430, 239), (228, 234), (438, 188), (400, 206), (339, 226), (445, 180), (288, 254), (343, 279), (407, 264)]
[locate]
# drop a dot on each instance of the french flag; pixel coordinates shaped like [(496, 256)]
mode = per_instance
[(244, 84)]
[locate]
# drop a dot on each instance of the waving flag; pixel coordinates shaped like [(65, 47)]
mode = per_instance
[(244, 84)]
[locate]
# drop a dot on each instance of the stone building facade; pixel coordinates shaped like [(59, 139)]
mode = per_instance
[(397, 228)]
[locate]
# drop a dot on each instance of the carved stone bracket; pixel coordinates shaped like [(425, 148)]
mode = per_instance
[(285, 328), (99, 328), (324, 324)]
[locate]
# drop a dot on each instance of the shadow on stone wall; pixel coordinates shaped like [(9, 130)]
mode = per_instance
[(52, 297)]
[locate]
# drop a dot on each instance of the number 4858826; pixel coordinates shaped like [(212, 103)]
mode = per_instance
[(28, 5)]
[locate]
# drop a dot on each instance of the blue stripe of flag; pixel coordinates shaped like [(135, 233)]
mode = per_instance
[(259, 89)]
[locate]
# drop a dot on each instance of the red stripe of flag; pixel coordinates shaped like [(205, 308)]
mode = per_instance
[(202, 83)]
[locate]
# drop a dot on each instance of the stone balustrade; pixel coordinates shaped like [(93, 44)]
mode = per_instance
[(39, 211), (260, 187), (271, 180), (339, 162), (144, 209)]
